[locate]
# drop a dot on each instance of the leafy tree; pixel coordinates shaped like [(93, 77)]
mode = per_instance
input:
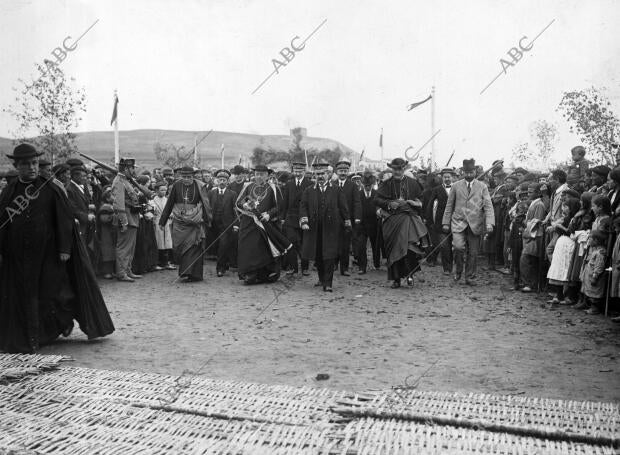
[(49, 110), (589, 116), (544, 135), (521, 153), (172, 156)]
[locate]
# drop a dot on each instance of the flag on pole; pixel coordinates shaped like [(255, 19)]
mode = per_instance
[(414, 105), (115, 111), (381, 138)]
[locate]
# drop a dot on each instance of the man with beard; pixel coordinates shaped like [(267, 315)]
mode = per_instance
[(261, 245), (323, 214), (404, 232), (189, 207), (225, 221), (291, 193), (46, 279), (354, 208), (468, 207)]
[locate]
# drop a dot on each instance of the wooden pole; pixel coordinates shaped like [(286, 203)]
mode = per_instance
[(433, 128), (117, 155)]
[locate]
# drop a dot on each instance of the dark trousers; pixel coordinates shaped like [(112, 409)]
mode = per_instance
[(165, 257), (224, 246), (295, 236), (365, 233), (466, 243), (446, 252), (324, 267), (530, 270), (344, 249)]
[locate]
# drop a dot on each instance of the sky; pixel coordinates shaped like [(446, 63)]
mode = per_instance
[(193, 65)]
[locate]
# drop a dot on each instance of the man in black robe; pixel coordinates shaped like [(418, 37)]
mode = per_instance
[(404, 232), (46, 279), (189, 206), (261, 244), (323, 215)]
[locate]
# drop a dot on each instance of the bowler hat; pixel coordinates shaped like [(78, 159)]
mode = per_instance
[(238, 169), (24, 151), (187, 170), (397, 163)]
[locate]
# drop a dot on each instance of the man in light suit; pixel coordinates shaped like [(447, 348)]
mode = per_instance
[(468, 212)]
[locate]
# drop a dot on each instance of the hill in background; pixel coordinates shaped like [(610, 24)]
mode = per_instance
[(139, 144)]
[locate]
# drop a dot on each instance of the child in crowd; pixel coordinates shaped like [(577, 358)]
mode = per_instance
[(163, 236), (593, 281), (579, 229), (516, 241)]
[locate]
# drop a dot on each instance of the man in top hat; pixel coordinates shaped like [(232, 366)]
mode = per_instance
[(367, 230), (354, 208), (188, 205), (404, 233), (291, 193), (225, 220), (127, 206), (261, 245), (323, 214), (469, 213), (40, 261), (435, 209)]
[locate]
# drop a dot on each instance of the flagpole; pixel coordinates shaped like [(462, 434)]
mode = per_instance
[(196, 150), (433, 159), (117, 157), (381, 144), (222, 156)]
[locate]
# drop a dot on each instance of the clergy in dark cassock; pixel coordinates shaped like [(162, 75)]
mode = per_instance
[(191, 213), (46, 278), (323, 215), (261, 244), (404, 232)]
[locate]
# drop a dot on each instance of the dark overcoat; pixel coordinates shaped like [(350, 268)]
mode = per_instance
[(332, 217)]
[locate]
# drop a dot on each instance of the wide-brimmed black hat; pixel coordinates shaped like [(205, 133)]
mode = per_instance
[(186, 170), (238, 169), (469, 165), (24, 151), (398, 163)]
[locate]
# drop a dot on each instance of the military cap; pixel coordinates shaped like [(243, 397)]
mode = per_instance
[(343, 164), (44, 162)]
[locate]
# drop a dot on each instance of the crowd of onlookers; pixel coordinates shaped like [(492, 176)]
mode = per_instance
[(554, 232)]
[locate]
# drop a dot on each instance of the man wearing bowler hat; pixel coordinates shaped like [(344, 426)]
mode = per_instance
[(469, 211)]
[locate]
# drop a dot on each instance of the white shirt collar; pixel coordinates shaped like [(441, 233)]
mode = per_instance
[(81, 188)]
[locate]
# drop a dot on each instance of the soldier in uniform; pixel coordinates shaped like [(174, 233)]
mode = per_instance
[(127, 207)]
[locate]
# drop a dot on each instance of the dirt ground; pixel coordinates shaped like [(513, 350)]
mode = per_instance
[(364, 335)]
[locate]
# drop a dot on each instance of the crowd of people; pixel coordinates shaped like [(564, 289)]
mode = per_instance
[(553, 232)]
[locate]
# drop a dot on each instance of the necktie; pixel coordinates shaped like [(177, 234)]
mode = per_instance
[(468, 188)]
